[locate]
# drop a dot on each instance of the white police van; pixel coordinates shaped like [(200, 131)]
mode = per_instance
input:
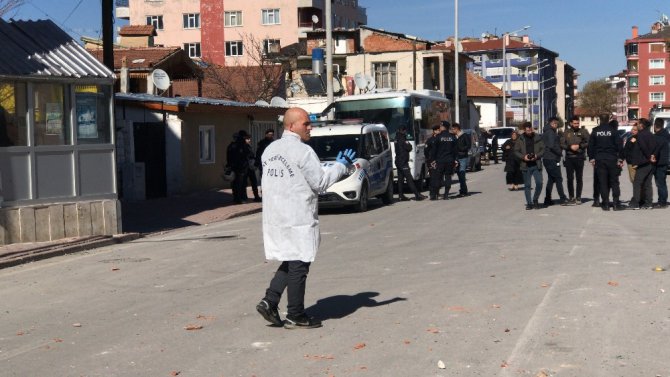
[(371, 173)]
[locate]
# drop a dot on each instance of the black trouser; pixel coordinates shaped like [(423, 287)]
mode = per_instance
[(660, 176), (574, 170), (553, 169), (439, 176), (292, 277), (405, 173), (254, 184), (608, 179), (596, 186), (642, 193), (239, 186), (495, 154)]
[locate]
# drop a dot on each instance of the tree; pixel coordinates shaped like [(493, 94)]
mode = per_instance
[(257, 75), (598, 97), (7, 6)]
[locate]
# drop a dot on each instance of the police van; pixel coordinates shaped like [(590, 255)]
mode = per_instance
[(370, 175)]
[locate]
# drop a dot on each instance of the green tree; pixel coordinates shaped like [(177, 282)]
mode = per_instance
[(598, 97)]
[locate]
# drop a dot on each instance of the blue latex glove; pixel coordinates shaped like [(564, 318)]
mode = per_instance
[(346, 157)]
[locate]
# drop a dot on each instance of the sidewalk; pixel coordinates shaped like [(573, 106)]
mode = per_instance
[(140, 219)]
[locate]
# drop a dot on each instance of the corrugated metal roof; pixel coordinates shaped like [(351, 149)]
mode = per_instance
[(186, 101), (40, 48)]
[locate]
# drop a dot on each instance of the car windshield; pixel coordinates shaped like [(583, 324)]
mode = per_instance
[(327, 146), (502, 133)]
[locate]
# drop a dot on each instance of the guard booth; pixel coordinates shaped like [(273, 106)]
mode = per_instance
[(57, 161)]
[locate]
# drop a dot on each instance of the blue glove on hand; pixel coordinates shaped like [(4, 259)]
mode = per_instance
[(346, 157)]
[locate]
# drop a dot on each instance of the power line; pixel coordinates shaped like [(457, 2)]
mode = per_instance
[(72, 11)]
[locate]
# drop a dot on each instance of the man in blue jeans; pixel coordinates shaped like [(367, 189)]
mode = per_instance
[(552, 162), (529, 149), (463, 145), (660, 160)]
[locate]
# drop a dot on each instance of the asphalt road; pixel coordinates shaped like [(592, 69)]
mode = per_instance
[(478, 283)]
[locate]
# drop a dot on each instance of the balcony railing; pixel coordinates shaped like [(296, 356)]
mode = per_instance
[(122, 3)]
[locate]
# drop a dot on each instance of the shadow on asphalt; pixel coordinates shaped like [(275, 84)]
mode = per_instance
[(340, 306)]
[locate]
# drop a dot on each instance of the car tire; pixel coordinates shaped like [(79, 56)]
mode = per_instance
[(362, 204), (387, 196)]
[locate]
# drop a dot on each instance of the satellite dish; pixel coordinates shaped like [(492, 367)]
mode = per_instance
[(360, 80), (370, 83), (278, 102), (160, 79), (315, 19), (260, 102)]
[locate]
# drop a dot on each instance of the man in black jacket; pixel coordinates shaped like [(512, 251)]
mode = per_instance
[(463, 145), (237, 156), (443, 157), (603, 150), (260, 147), (660, 157), (552, 162), (644, 169), (574, 141), (402, 149)]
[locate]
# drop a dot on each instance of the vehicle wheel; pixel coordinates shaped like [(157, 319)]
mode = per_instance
[(362, 204), (387, 197)]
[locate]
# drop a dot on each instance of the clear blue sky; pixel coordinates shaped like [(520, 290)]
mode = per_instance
[(588, 34)]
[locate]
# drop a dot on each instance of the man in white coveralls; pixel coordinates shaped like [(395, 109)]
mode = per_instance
[(292, 178)]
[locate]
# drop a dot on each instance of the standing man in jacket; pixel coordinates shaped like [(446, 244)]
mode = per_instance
[(402, 149), (552, 162), (660, 159), (293, 178), (529, 149), (443, 157), (574, 141), (644, 169), (260, 148), (604, 152), (237, 157), (463, 145)]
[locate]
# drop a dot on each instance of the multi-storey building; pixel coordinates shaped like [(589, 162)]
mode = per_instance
[(226, 32), (532, 83), (619, 84), (647, 69)]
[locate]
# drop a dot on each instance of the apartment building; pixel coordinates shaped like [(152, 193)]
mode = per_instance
[(647, 68), (228, 32), (618, 82)]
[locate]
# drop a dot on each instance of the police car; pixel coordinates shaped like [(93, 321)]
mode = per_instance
[(371, 173)]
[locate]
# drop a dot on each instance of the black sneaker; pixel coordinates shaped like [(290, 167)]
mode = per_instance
[(403, 198), (578, 200), (420, 197), (529, 207), (564, 202), (605, 207), (445, 197), (270, 313), (301, 322), (595, 204), (661, 205)]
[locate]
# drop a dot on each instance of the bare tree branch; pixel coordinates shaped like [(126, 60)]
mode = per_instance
[(598, 97), (7, 6)]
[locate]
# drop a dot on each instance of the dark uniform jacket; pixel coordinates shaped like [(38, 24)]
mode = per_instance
[(430, 144), (260, 148), (662, 152), (572, 137), (402, 149), (444, 149), (604, 143), (520, 150), (552, 144), (238, 155)]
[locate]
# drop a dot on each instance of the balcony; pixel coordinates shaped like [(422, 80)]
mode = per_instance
[(122, 10), (311, 4)]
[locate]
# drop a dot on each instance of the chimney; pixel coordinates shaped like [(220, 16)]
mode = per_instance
[(124, 83), (635, 32), (525, 39), (506, 41)]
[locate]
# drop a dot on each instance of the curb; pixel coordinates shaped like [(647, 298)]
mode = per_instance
[(44, 252)]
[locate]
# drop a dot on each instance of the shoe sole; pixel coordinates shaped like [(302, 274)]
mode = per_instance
[(293, 326), (268, 316)]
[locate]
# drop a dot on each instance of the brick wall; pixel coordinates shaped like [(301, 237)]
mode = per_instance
[(382, 43), (185, 87)]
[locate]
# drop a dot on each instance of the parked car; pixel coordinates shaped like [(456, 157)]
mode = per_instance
[(503, 133), (371, 173)]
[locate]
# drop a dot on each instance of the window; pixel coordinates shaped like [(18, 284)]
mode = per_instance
[(13, 128), (271, 46), (657, 96), (52, 122), (233, 18), (656, 63), (656, 80), (206, 144), (157, 21), (631, 49), (191, 20), (632, 82), (234, 48), (385, 74), (271, 17), (193, 49), (656, 47), (92, 104)]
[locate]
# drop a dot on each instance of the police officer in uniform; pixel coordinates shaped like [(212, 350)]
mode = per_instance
[(443, 157), (402, 149), (604, 150)]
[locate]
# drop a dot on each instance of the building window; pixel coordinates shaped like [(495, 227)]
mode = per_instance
[(657, 96), (234, 48), (157, 21), (233, 18), (631, 49), (93, 107), (656, 63), (52, 121), (207, 144), (656, 47), (657, 80), (193, 49), (385, 74), (632, 82), (191, 20), (13, 126), (271, 46), (271, 17)]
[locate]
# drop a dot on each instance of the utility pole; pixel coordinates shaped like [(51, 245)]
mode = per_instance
[(457, 96), (108, 34), (329, 51)]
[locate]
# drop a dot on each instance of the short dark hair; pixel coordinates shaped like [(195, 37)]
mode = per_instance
[(269, 131), (446, 124), (574, 118), (659, 123), (554, 119), (614, 123), (436, 127), (644, 122), (526, 125), (456, 125)]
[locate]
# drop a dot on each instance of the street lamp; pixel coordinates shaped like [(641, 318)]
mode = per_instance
[(504, 56), (528, 104)]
